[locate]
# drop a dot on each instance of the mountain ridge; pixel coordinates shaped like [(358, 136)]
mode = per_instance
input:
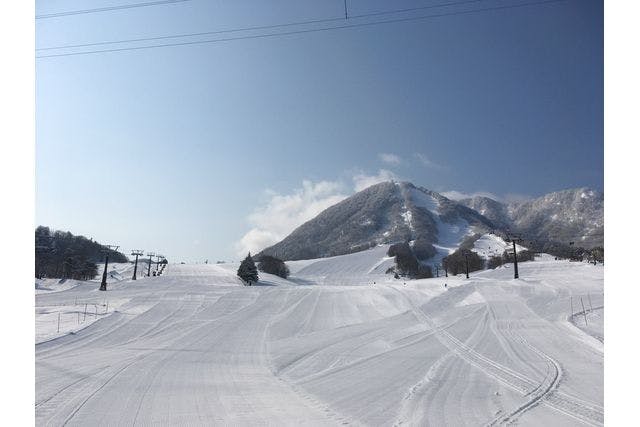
[(570, 215), (391, 212)]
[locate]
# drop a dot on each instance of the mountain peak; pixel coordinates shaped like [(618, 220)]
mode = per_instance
[(399, 211), (384, 213)]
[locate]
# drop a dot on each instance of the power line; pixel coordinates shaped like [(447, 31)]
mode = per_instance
[(204, 33), (312, 30), (108, 9), (261, 27), (413, 9)]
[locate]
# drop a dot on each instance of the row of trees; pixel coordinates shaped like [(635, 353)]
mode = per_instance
[(458, 262), (248, 271), (568, 251), (407, 263), (508, 258), (61, 255)]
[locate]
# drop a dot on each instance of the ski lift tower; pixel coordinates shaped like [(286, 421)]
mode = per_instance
[(150, 255), (513, 240), (159, 257), (106, 250), (137, 253)]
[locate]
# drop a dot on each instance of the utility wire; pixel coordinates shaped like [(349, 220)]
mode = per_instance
[(204, 33), (413, 9), (262, 27), (312, 30), (108, 9)]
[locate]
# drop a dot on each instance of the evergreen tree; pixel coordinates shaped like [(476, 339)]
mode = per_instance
[(248, 271)]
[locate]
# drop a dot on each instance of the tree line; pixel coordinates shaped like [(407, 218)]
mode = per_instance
[(407, 263), (248, 271), (407, 260), (62, 255), (570, 251), (458, 262)]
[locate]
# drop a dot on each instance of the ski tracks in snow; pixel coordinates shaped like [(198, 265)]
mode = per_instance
[(535, 392), (190, 351)]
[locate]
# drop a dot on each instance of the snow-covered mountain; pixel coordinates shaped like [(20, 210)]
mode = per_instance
[(392, 212), (575, 215), (388, 212), (496, 212)]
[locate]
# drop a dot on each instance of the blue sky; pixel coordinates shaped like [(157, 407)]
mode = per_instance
[(198, 151)]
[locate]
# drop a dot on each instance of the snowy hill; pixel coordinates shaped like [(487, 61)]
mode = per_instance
[(564, 216), (496, 212), (489, 245), (392, 212), (384, 213), (569, 215)]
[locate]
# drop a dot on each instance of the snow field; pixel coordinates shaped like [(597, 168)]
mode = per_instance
[(57, 320), (195, 347)]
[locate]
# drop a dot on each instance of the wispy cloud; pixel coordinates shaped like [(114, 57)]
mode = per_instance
[(426, 161), (390, 158), (459, 195), (362, 180), (516, 198), (282, 213), (507, 198)]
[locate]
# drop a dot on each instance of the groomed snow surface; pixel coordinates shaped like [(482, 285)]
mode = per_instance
[(328, 347)]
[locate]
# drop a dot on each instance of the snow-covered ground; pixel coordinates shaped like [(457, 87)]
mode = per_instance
[(489, 245), (195, 347), (82, 304), (450, 235), (115, 273)]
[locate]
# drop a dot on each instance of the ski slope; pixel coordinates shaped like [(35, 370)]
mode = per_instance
[(450, 234), (489, 245), (195, 347)]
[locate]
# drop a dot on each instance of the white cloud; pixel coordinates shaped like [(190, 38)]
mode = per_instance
[(516, 198), (459, 195), (283, 213), (426, 161), (362, 180), (507, 198), (390, 158)]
